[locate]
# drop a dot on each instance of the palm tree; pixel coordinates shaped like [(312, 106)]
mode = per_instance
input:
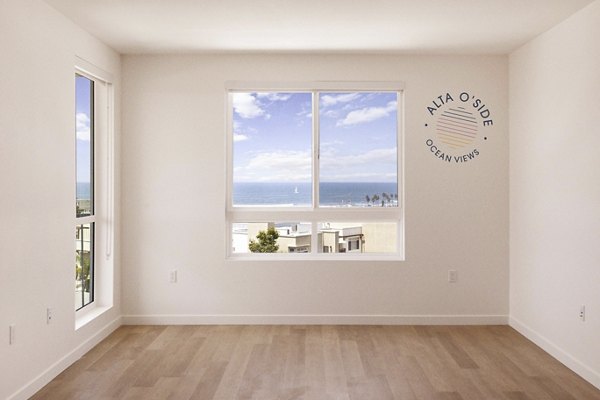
[(386, 197), (374, 198)]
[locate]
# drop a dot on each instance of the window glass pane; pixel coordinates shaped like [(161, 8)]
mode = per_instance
[(358, 149), (84, 265), (270, 237), (272, 142), (358, 237), (84, 119)]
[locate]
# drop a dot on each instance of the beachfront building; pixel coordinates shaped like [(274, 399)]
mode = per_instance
[(342, 238), (296, 237), (293, 238), (83, 206)]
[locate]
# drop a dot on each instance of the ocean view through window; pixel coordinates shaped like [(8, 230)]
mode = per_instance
[(84, 190), (314, 155), (94, 202)]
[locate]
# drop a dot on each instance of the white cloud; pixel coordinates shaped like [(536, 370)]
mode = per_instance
[(367, 114), (276, 166), (242, 132), (378, 165), (331, 114), (296, 166), (82, 122), (304, 113), (281, 159), (359, 176), (240, 137), (331, 100), (271, 96), (331, 144), (247, 106), (376, 156)]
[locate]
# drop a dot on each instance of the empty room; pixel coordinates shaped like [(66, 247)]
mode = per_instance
[(346, 200)]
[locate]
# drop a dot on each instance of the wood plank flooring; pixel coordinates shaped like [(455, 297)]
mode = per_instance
[(317, 362)]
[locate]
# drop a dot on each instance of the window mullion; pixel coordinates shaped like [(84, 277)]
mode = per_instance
[(85, 220), (315, 144), (315, 178)]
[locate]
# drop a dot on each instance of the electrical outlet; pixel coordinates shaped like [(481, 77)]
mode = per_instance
[(452, 275), (582, 313), (49, 315), (12, 334), (173, 276)]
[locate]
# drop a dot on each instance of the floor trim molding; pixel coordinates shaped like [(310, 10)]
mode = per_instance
[(557, 352), (228, 319), (30, 388)]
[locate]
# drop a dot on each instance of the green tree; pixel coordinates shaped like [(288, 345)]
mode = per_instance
[(267, 242), (82, 269)]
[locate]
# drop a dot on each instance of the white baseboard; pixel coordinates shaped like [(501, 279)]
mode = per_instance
[(315, 320), (45, 377), (555, 351)]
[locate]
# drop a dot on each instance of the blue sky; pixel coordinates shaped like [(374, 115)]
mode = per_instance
[(83, 87), (273, 134)]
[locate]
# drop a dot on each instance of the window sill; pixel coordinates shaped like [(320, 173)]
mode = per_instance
[(84, 317), (314, 257)]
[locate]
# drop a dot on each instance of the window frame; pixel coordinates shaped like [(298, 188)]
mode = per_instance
[(90, 219), (314, 214), (104, 188)]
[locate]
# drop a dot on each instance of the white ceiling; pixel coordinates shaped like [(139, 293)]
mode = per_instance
[(395, 26)]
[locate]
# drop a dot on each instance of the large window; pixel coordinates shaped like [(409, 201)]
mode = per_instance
[(328, 159), (85, 193)]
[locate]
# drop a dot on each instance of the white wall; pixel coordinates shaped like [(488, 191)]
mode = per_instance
[(174, 196), (37, 190), (555, 191)]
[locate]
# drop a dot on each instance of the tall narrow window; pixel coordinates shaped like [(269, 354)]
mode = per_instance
[(85, 183)]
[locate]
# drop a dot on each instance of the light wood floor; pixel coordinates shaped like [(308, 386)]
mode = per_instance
[(317, 362)]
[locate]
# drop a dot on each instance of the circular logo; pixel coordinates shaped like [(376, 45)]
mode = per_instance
[(457, 126)]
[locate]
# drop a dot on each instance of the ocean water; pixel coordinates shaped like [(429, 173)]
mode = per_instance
[(83, 190), (296, 194), (337, 194)]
